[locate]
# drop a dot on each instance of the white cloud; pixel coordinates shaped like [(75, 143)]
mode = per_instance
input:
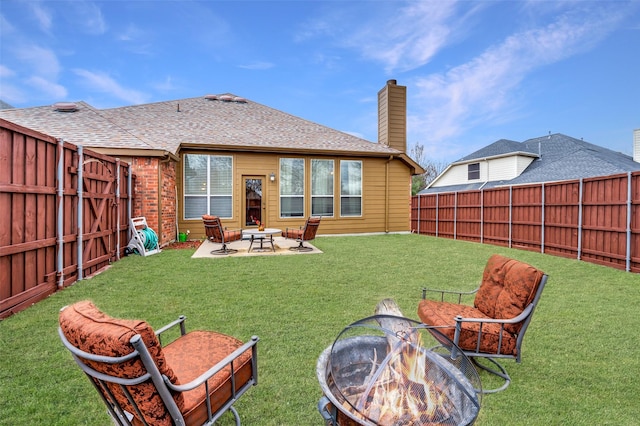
[(6, 71), (259, 65), (11, 94), (43, 62), (102, 82), (47, 87), (89, 17), (408, 37), (5, 26), (42, 16), (483, 89)]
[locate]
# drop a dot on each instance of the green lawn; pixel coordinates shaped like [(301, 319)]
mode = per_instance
[(580, 355)]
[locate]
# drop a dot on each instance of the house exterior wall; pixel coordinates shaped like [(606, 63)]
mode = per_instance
[(386, 195), (154, 195), (504, 168), (636, 145)]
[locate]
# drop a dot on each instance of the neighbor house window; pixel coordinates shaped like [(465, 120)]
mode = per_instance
[(208, 186), (291, 187), (322, 187), (350, 188), (474, 171)]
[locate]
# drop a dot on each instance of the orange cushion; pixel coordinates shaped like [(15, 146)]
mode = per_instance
[(90, 330), (233, 235), (508, 286), (292, 233), (443, 314), (196, 352)]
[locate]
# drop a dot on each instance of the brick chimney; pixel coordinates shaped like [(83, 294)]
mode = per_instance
[(636, 145), (392, 116)]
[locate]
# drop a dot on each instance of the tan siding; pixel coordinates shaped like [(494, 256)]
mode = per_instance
[(374, 179)]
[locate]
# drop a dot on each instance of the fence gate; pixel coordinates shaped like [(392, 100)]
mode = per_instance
[(64, 214)]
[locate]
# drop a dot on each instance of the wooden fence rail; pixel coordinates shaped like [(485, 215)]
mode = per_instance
[(596, 220), (63, 212)]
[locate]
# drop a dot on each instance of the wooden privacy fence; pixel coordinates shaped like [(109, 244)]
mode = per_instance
[(64, 212), (596, 220)]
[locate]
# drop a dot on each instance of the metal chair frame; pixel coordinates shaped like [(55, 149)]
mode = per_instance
[(525, 318), (214, 230), (162, 384), (307, 233)]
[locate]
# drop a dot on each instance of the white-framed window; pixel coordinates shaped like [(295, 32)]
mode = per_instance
[(208, 185), (350, 188), (322, 187), (473, 171), (291, 187)]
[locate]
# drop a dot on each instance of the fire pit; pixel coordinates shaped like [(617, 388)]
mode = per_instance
[(390, 370)]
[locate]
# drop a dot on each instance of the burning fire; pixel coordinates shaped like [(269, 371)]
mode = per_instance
[(400, 391)]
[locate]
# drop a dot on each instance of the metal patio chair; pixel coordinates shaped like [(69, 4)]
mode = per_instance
[(494, 327), (304, 233), (193, 380), (217, 234)]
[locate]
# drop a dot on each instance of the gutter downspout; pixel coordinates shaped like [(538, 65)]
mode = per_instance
[(60, 225), (118, 183), (164, 160), (80, 211)]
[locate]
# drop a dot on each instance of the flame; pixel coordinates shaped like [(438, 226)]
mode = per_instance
[(401, 391)]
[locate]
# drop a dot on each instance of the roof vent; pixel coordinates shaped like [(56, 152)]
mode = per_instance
[(240, 100), (211, 97), (226, 98), (65, 106)]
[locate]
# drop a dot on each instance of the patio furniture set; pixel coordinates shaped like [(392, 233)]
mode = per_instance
[(196, 378), (218, 234)]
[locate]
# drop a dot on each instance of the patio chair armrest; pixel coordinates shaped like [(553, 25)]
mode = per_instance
[(525, 313), (180, 321), (451, 293), (198, 381)]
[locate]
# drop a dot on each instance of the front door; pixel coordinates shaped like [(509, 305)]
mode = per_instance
[(253, 203)]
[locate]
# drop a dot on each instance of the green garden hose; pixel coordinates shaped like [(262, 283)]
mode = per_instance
[(149, 238)]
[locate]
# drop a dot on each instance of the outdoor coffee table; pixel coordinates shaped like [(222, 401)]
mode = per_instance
[(268, 234)]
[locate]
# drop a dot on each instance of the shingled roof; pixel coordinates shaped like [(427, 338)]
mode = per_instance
[(215, 121), (557, 157)]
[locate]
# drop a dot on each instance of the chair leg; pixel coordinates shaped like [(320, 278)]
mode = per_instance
[(301, 247), (224, 250), (500, 372), (235, 415)]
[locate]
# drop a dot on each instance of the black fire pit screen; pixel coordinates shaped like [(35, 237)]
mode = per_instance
[(387, 370)]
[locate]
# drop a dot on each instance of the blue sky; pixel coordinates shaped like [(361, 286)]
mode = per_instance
[(475, 71)]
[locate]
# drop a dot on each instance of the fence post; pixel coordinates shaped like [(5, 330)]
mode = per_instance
[(629, 194), (510, 214), (542, 219), (437, 211), (59, 222), (580, 190), (79, 209), (117, 209), (419, 214), (482, 216), (455, 216)]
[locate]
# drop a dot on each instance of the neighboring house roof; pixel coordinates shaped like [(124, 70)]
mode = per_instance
[(557, 157), (211, 122), (498, 148), (4, 105)]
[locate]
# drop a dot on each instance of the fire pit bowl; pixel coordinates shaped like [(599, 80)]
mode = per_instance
[(387, 370)]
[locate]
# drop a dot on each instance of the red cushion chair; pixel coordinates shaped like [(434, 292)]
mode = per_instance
[(217, 234), (304, 233), (142, 382), (495, 325)]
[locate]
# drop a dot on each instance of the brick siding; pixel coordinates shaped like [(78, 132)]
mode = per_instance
[(148, 194)]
